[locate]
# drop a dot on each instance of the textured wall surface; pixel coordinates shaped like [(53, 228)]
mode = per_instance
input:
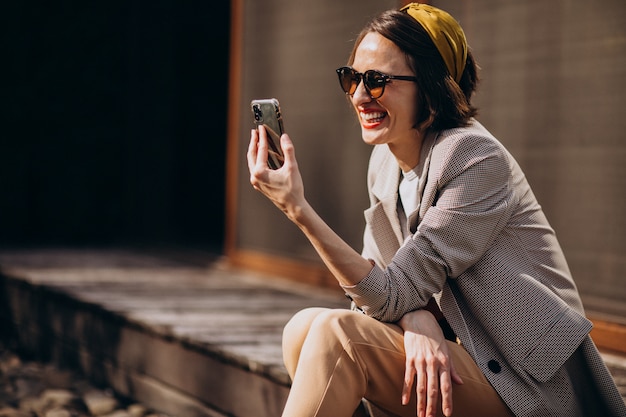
[(291, 52), (553, 91)]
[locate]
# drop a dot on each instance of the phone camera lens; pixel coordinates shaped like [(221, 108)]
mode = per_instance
[(257, 113)]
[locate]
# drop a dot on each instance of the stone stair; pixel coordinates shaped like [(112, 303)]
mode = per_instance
[(188, 337), (180, 332)]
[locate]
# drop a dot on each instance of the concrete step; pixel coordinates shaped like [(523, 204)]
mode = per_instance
[(178, 331), (185, 335)]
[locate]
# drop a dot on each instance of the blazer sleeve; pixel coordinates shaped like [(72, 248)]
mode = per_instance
[(471, 200)]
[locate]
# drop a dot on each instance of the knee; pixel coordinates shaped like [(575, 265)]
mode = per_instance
[(335, 317), (324, 329), (334, 327), (330, 325), (298, 326), (294, 334)]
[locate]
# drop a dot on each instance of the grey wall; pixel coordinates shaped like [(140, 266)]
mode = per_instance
[(553, 91), (291, 53)]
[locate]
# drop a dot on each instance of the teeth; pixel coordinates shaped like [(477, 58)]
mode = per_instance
[(372, 116)]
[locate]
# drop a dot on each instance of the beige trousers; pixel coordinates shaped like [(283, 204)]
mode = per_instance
[(337, 357)]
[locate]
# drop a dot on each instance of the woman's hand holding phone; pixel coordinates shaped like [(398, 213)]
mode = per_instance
[(266, 113), (283, 186)]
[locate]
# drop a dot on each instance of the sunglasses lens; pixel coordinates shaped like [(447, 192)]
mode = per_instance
[(349, 79), (373, 80), (375, 83)]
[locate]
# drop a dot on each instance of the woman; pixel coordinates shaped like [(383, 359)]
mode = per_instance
[(465, 301)]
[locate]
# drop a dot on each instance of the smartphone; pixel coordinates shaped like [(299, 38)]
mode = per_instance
[(266, 112)]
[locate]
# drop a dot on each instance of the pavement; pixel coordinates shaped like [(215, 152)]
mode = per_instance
[(35, 389)]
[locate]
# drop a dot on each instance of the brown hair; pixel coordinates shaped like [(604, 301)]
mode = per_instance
[(443, 104)]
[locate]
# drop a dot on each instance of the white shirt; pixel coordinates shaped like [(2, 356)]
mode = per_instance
[(409, 198)]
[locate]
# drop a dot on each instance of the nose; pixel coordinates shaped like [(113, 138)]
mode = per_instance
[(360, 94)]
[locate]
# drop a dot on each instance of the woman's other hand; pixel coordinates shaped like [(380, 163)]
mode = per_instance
[(282, 186), (428, 364)]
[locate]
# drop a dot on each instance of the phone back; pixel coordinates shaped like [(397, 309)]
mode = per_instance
[(266, 112)]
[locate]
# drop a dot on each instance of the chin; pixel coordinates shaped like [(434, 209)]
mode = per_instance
[(372, 138)]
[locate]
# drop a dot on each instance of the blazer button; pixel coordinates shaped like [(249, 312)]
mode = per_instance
[(494, 366)]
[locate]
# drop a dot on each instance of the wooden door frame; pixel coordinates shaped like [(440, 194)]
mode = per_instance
[(310, 273)]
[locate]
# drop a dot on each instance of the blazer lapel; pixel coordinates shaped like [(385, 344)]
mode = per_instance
[(423, 167), (382, 217)]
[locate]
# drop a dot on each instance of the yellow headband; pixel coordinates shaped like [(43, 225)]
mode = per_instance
[(446, 34)]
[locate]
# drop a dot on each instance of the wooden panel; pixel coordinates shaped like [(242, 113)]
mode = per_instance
[(609, 335), (304, 272)]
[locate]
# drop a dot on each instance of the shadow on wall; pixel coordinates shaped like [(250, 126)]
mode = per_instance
[(114, 127)]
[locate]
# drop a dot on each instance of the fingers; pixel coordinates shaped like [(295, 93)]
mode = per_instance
[(288, 150), (258, 149), (432, 387), (427, 387), (432, 375), (448, 374), (420, 390), (257, 156), (261, 156), (409, 378), (446, 391), (252, 149), (428, 356), (455, 375)]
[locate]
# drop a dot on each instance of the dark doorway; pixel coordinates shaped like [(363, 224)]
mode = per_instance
[(114, 123)]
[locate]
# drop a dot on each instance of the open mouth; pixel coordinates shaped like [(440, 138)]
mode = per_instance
[(372, 118)]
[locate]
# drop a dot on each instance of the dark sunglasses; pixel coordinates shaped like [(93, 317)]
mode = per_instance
[(374, 81)]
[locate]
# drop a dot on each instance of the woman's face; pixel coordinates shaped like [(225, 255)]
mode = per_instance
[(390, 118)]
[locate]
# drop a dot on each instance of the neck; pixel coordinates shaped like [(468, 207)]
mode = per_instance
[(407, 152)]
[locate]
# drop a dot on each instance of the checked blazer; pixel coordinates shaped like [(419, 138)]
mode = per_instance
[(480, 243)]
